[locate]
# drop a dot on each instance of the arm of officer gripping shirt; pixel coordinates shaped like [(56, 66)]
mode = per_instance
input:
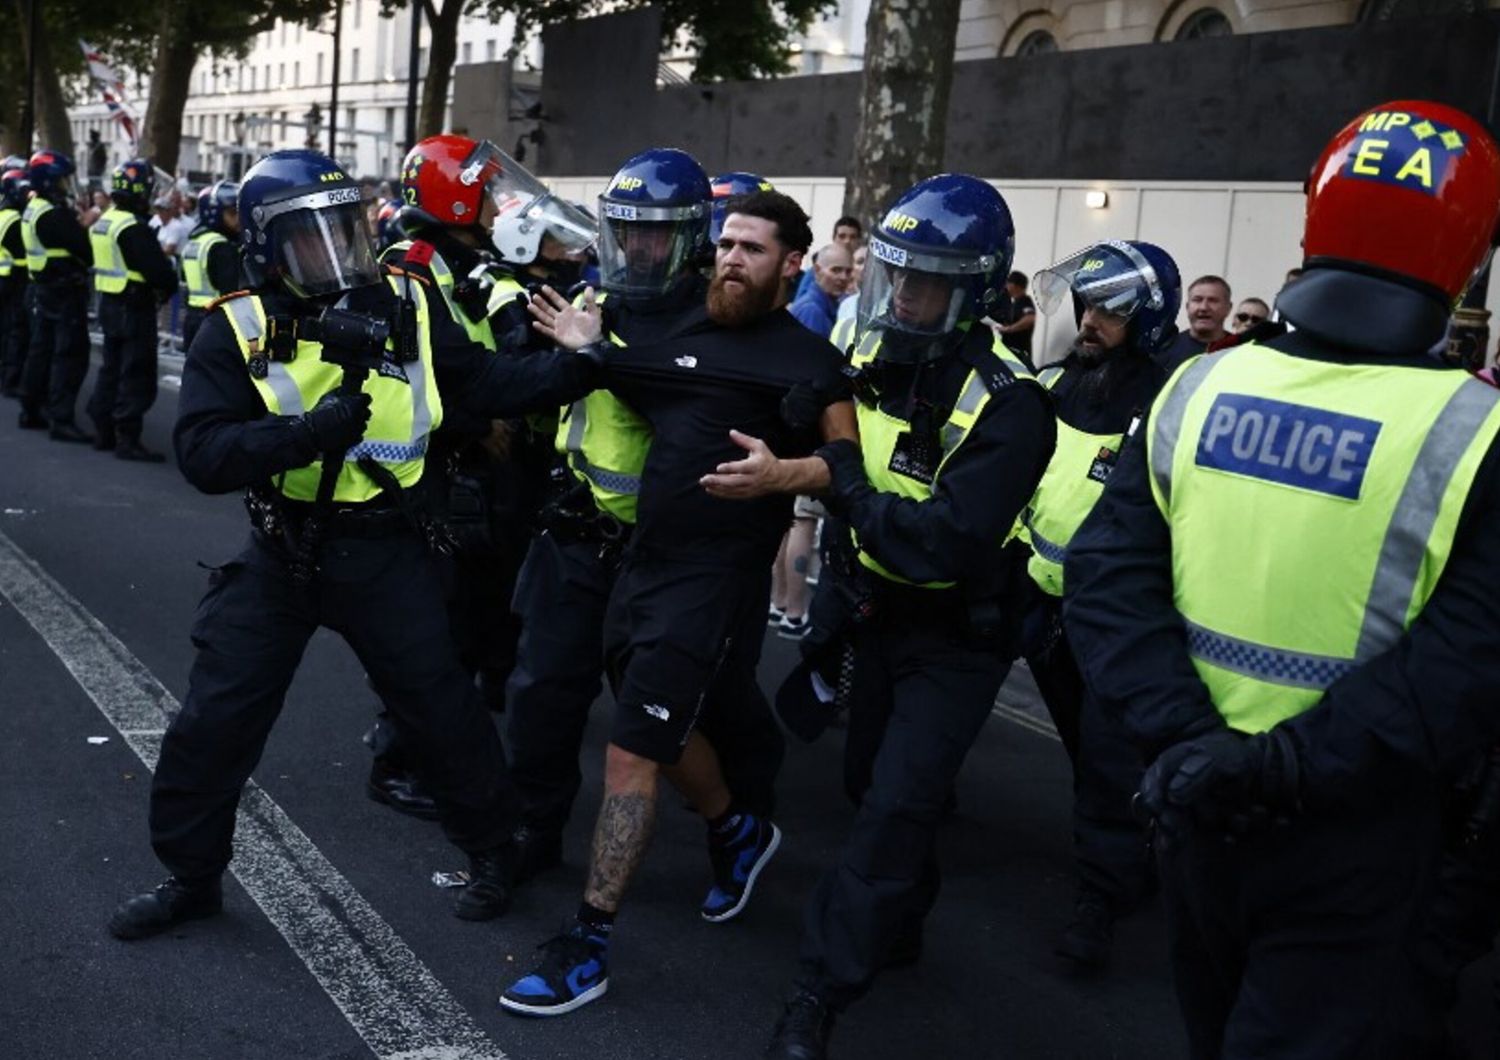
[(1122, 623), (141, 251), (978, 496), (224, 439), (1430, 700)]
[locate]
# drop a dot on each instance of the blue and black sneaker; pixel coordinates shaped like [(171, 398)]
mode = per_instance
[(738, 854), (573, 971)]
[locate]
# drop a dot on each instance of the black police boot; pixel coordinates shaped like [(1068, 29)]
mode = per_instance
[(1089, 936), (171, 903), (400, 790), (129, 447), (803, 1030), (69, 432), (537, 850), (31, 420), (104, 436), (492, 874)]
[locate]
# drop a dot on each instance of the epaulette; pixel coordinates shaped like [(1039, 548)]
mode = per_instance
[(420, 252), (224, 298), (396, 270)]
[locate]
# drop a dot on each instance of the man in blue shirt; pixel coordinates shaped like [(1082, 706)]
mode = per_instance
[(818, 306)]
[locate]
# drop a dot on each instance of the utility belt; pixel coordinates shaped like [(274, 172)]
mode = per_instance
[(285, 520), (573, 518)]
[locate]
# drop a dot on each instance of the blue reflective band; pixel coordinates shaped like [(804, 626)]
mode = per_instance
[(1295, 445)]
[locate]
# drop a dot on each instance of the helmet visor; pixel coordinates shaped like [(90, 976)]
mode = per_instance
[(912, 301), (326, 250), (1112, 277), (644, 250)]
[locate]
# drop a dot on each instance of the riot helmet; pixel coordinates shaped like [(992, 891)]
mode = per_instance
[(727, 186), (303, 225), (14, 187), (219, 207), (51, 174), (1133, 281), (135, 184), (654, 223), (1403, 211), (937, 263)]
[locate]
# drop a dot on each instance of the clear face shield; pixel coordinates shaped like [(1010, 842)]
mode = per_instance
[(644, 250), (323, 242), (1113, 278), (915, 295), (516, 208)]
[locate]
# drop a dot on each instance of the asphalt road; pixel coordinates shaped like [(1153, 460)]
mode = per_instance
[(349, 950)]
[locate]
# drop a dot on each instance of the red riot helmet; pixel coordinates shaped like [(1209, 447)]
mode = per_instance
[(1403, 210)]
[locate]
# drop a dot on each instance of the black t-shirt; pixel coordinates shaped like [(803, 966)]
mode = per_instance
[(1020, 341), (693, 386)]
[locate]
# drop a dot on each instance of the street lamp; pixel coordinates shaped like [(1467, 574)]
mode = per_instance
[(238, 124)]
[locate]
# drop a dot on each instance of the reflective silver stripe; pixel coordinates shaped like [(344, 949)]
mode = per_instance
[(1048, 374), (416, 375), (1406, 538), (1276, 666), (280, 381), (969, 400), (578, 421), (1048, 550), (1168, 422)]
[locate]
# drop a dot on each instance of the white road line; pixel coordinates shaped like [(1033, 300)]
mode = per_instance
[(1025, 720), (390, 998)]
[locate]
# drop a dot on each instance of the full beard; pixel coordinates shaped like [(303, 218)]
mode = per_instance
[(737, 306)]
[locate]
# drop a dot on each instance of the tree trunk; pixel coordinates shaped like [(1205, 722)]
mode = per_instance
[(171, 80), (903, 112), (442, 50), (52, 126)]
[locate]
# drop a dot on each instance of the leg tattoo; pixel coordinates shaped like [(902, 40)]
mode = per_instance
[(621, 837)]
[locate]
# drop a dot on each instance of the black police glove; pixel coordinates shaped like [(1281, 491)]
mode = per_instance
[(846, 467), (337, 421), (596, 353), (1222, 781)]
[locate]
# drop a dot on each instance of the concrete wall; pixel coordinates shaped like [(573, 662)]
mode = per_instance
[(1254, 107), (1248, 233)]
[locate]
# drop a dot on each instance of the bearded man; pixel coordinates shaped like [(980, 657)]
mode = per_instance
[(737, 381)]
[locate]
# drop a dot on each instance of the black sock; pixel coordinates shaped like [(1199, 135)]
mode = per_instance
[(595, 919)]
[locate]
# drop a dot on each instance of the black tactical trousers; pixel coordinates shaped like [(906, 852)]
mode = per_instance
[(192, 320), (1110, 847), (923, 690), (125, 386), (15, 332), (1297, 941), (57, 359), (383, 596)]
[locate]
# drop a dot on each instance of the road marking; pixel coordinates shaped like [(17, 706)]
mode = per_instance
[(387, 994), (1024, 719)]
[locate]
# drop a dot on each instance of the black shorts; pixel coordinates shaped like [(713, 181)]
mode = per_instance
[(674, 635)]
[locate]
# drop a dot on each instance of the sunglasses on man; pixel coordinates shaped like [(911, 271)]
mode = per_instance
[(1248, 318)]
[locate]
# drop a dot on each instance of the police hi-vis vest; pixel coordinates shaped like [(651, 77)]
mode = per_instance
[(1068, 491), (880, 434), (478, 330), (9, 218), (110, 274), (403, 412), (605, 444), (37, 255), (1312, 509), (200, 289)]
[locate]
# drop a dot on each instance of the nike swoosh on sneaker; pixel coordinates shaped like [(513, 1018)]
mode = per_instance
[(585, 976)]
